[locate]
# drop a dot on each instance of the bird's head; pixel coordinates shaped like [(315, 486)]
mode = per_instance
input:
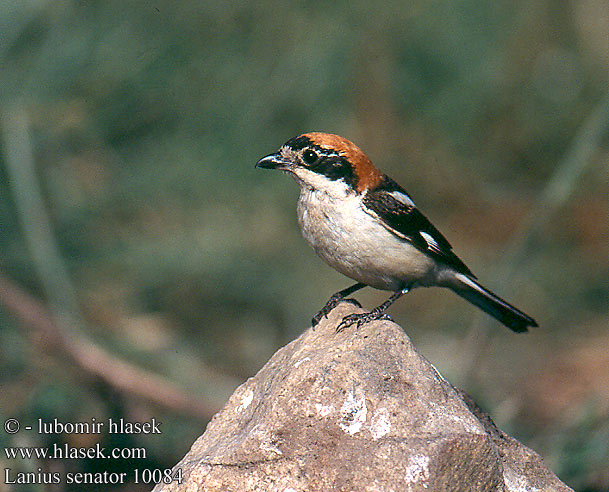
[(320, 160)]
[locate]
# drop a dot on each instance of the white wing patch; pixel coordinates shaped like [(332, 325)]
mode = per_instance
[(431, 242), (402, 198)]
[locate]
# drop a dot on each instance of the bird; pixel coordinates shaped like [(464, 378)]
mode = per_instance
[(367, 227)]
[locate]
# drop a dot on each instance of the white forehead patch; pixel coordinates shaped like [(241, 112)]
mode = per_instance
[(402, 198)]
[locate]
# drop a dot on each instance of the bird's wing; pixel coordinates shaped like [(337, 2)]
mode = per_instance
[(397, 212)]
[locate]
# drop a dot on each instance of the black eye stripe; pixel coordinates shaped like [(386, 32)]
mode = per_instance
[(335, 167), (320, 160)]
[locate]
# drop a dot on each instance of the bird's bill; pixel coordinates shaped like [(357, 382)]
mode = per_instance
[(273, 161)]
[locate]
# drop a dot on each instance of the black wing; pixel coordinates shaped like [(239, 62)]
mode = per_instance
[(390, 203)]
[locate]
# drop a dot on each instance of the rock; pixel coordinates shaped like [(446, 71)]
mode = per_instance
[(359, 410)]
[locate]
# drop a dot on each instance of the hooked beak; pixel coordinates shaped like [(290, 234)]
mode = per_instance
[(274, 161)]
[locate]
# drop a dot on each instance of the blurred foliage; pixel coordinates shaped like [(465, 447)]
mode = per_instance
[(144, 121)]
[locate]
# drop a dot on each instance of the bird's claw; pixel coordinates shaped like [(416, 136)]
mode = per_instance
[(360, 319), (330, 305)]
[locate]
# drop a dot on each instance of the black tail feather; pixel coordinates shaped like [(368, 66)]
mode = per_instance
[(499, 309)]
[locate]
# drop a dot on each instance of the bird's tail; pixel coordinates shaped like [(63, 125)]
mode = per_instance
[(499, 309)]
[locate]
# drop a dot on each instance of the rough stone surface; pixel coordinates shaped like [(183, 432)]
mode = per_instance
[(359, 410)]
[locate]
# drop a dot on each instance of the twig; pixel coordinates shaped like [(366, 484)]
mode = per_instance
[(60, 325), (94, 360), (37, 229)]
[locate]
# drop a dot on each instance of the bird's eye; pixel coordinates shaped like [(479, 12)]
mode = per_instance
[(309, 156)]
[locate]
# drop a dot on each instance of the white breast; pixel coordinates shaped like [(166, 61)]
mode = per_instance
[(356, 244)]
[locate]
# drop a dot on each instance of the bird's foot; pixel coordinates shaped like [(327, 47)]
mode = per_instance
[(334, 301), (360, 319)]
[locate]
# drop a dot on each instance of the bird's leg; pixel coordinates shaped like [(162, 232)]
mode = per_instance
[(377, 313), (335, 300)]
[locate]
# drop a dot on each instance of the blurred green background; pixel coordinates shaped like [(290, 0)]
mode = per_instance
[(147, 268)]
